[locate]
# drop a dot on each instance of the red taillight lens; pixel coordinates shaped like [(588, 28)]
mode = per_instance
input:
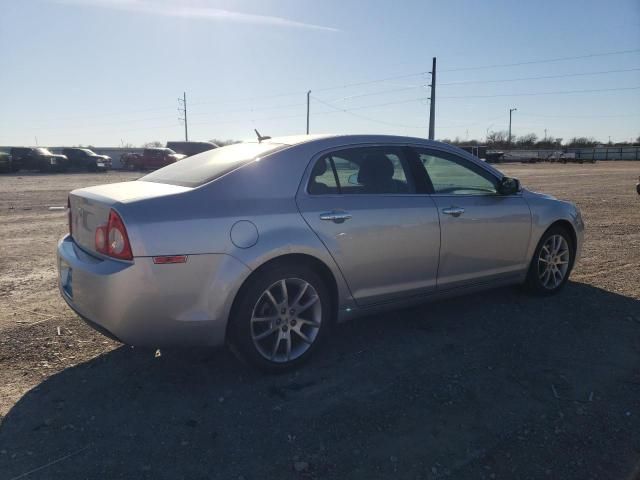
[(112, 239), (69, 215)]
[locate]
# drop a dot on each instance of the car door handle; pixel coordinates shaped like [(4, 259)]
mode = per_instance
[(337, 217), (453, 211)]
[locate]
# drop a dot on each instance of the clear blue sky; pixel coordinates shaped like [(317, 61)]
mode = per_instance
[(103, 72)]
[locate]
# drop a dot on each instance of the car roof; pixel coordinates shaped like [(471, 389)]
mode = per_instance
[(346, 139), (327, 141)]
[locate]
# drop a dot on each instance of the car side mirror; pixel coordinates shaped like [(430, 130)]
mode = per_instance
[(508, 186)]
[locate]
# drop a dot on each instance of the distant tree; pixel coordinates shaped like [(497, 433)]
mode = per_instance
[(497, 139), (153, 144), (528, 140), (638, 139), (549, 142), (582, 142), (224, 143)]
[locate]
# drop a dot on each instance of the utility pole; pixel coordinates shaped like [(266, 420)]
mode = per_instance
[(308, 102), (182, 109), (511, 110), (545, 134), (432, 101)]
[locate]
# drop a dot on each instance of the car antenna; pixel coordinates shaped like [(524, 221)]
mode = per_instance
[(260, 137)]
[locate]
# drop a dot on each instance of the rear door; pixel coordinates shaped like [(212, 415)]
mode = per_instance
[(363, 204), (484, 235)]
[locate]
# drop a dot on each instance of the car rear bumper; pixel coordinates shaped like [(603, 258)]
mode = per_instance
[(144, 304)]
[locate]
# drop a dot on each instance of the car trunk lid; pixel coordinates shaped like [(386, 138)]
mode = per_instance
[(89, 207)]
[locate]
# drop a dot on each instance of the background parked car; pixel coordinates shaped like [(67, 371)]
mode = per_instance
[(39, 158), (152, 159), (128, 161), (5, 162), (191, 148), (85, 159)]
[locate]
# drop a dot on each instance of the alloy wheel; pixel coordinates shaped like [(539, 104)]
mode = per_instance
[(553, 262), (286, 320)]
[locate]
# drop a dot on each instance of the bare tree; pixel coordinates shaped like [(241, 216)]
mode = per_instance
[(528, 140), (497, 139), (153, 144), (582, 142)]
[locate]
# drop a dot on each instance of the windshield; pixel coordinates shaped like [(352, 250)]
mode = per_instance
[(43, 151), (204, 167), (88, 152)]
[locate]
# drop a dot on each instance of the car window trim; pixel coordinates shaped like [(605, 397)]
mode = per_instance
[(335, 173)]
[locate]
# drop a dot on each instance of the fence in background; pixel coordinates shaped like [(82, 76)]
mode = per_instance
[(580, 154)]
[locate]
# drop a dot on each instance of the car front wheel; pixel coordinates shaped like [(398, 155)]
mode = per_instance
[(552, 262), (282, 314)]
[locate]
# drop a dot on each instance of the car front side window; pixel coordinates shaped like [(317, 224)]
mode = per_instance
[(455, 176)]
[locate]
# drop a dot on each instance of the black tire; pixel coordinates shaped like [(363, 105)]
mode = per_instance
[(534, 283), (240, 328)]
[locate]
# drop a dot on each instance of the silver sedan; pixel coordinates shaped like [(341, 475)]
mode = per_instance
[(264, 245)]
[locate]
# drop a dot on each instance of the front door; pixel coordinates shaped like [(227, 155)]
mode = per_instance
[(485, 235), (362, 204)]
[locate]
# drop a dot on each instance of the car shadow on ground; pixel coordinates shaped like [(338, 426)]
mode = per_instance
[(494, 385)]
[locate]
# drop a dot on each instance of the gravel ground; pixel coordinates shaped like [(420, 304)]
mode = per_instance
[(495, 385)]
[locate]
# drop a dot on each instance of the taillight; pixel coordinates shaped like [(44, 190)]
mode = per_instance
[(69, 215), (112, 239)]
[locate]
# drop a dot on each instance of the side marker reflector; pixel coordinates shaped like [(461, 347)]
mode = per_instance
[(170, 259)]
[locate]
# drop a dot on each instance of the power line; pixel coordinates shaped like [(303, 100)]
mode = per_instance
[(547, 60), (583, 116), (603, 72), (364, 117), (534, 94)]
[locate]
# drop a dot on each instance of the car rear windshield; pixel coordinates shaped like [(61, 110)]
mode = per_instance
[(206, 166)]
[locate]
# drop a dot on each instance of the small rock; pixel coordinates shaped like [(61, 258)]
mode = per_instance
[(301, 466), (221, 399), (628, 414), (184, 443), (393, 458), (145, 468)]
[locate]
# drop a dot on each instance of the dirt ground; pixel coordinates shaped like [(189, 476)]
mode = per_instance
[(494, 385)]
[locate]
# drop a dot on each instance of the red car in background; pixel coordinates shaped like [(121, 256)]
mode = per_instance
[(151, 159)]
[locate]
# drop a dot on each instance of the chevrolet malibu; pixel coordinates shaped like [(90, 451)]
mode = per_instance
[(265, 245)]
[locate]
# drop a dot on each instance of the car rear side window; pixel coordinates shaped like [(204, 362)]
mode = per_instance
[(207, 166), (362, 170)]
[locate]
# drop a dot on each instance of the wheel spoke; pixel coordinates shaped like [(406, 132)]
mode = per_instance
[(300, 295), (276, 345), (303, 336), (272, 299), (266, 333), (309, 304), (285, 294), (264, 319), (288, 339), (304, 321)]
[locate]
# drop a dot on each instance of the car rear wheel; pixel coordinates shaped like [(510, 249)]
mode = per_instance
[(552, 262), (281, 316)]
